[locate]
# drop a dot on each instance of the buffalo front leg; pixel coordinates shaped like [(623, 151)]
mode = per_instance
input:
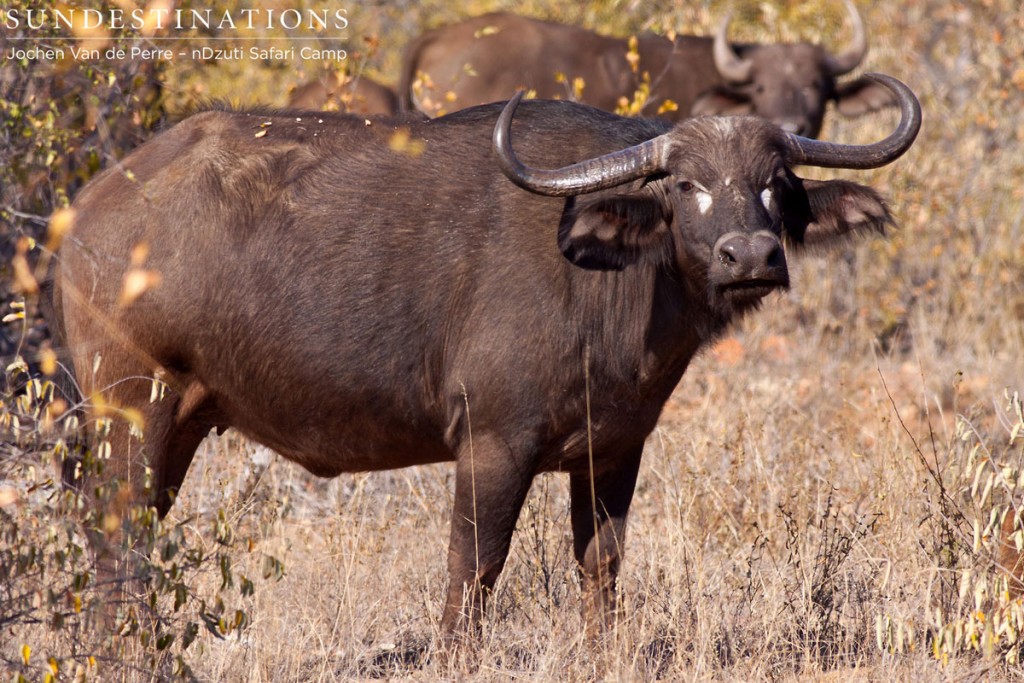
[(599, 506), (490, 487)]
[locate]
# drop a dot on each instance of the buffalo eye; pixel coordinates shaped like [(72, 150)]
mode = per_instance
[(779, 179), (685, 186)]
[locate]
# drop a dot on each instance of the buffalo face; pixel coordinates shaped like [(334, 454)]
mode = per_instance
[(791, 84), (720, 215), (713, 200)]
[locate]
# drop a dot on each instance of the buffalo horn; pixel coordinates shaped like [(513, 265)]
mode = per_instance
[(591, 175), (731, 67), (833, 155), (650, 157), (849, 60)]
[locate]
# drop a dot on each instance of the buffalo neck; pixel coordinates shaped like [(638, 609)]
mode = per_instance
[(642, 322)]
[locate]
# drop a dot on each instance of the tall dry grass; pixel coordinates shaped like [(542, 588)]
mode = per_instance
[(819, 501)]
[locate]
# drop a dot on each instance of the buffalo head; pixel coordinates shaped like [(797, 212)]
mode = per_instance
[(714, 199), (790, 84)]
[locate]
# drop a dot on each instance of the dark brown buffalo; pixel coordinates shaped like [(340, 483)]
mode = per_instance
[(488, 58), (342, 92), (359, 304)]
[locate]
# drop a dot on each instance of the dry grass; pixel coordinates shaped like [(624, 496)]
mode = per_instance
[(806, 508)]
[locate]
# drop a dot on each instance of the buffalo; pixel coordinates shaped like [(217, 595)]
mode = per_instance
[(517, 288), (487, 58)]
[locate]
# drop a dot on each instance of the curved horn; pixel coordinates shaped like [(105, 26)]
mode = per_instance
[(832, 155), (851, 58), (730, 66), (591, 175)]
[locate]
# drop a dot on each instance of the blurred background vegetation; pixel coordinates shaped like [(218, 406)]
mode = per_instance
[(782, 452)]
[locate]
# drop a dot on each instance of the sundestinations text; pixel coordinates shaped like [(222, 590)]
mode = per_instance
[(178, 19)]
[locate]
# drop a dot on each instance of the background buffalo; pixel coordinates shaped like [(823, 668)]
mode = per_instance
[(489, 57)]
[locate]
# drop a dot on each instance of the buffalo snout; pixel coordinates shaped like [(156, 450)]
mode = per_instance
[(749, 260), (795, 126)]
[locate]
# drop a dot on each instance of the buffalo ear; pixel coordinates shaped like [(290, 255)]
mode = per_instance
[(823, 213), (722, 102), (609, 233), (861, 96)]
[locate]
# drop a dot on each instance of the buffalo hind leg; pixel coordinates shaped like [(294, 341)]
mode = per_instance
[(490, 487), (599, 532), (144, 473), (174, 429)]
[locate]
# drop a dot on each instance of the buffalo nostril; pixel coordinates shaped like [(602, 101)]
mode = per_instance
[(750, 252), (768, 250), (727, 255), (754, 261), (733, 250)]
